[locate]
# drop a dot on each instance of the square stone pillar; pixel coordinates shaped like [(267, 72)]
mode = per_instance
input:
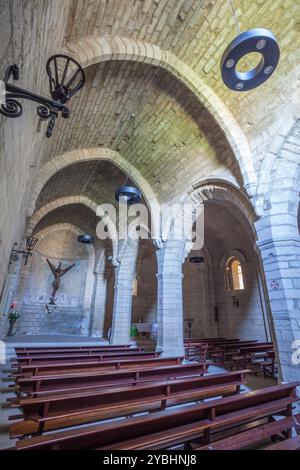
[(124, 275), (99, 306), (281, 262), (170, 340)]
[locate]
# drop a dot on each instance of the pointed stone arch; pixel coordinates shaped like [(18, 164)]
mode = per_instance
[(67, 200), (81, 155)]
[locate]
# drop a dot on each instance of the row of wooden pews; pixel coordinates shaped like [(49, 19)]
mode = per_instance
[(233, 353), (53, 395)]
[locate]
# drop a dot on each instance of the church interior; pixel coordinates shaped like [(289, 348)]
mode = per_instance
[(150, 225)]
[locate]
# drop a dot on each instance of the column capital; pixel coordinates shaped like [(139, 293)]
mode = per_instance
[(268, 243), (170, 275)]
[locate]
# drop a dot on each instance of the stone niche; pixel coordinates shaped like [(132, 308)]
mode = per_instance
[(66, 318)]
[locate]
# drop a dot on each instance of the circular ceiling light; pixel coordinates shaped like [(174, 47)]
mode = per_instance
[(128, 195), (86, 239), (258, 40)]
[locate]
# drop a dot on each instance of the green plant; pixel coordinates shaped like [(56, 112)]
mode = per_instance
[(133, 331), (14, 315)]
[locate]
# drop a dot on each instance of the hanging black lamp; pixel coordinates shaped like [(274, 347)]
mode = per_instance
[(258, 40), (86, 238), (128, 195), (66, 77)]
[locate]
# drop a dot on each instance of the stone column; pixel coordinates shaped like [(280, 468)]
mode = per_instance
[(99, 299), (170, 304), (85, 329), (281, 261), (279, 245), (124, 275)]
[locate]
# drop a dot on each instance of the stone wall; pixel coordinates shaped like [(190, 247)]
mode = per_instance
[(246, 320), (67, 317), (30, 33), (196, 298)]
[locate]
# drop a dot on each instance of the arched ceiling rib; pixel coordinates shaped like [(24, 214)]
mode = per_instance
[(175, 140), (75, 214)]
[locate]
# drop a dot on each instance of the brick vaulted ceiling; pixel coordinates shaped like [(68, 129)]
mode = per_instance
[(176, 142), (197, 32)]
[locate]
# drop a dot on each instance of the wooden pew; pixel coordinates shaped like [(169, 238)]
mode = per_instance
[(70, 367), (82, 357), (223, 352), (39, 349), (40, 385), (269, 365), (206, 340), (22, 352), (64, 410), (250, 352), (163, 429), (289, 444), (210, 342), (253, 437)]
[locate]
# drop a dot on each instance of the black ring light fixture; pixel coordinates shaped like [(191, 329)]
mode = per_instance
[(66, 77), (128, 195), (258, 40), (87, 239)]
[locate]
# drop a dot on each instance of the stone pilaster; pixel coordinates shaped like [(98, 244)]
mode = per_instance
[(170, 303), (281, 261), (124, 275), (88, 295), (99, 301)]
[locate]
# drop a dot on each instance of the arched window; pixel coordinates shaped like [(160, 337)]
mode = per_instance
[(234, 274), (135, 287)]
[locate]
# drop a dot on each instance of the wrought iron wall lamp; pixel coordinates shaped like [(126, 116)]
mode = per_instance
[(30, 244), (66, 77)]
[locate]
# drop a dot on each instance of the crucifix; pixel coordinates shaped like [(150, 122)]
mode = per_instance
[(57, 273)]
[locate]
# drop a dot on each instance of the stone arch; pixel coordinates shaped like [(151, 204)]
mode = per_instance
[(217, 190), (220, 190), (80, 155), (92, 50), (232, 254), (64, 201)]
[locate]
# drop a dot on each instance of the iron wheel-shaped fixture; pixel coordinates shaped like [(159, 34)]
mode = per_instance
[(87, 239), (66, 77), (258, 40), (128, 195)]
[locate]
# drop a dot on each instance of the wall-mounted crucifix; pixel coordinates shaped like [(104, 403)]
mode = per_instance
[(57, 273)]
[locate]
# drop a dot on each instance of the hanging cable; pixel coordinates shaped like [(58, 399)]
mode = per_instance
[(235, 17)]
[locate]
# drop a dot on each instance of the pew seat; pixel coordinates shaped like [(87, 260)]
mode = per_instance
[(41, 385), (40, 360), (289, 444), (164, 429), (53, 412), (80, 367), (252, 437)]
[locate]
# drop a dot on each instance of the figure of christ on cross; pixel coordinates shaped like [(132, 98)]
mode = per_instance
[(57, 273)]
